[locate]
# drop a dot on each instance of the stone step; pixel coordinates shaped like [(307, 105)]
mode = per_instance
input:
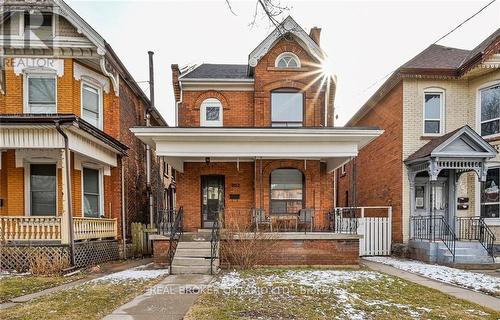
[(195, 262), (196, 236), (191, 269), (466, 251), (193, 245), (194, 253), (465, 259)]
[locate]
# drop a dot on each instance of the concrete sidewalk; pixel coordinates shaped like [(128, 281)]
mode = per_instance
[(168, 300), (461, 293)]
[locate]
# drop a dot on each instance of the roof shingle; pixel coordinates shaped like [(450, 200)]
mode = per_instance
[(218, 71)]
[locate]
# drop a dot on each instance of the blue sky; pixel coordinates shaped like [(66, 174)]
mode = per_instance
[(364, 39)]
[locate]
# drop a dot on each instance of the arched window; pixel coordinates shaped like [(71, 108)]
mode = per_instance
[(287, 60), (287, 191), (211, 113)]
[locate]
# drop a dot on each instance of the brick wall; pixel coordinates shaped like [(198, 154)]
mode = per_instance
[(375, 177)]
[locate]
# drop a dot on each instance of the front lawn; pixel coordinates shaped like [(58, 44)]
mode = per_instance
[(91, 300), (12, 286), (326, 294)]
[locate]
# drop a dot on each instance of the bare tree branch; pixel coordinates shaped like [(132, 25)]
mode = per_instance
[(230, 7), (272, 10)]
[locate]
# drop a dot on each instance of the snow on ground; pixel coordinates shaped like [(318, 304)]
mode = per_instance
[(335, 281), (138, 273), (466, 279), (5, 274)]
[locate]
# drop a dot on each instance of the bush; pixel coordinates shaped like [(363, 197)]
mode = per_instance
[(45, 264)]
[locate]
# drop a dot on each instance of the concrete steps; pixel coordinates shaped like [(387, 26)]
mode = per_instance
[(192, 255), (465, 253)]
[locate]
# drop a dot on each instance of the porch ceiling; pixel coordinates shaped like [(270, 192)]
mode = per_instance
[(332, 145)]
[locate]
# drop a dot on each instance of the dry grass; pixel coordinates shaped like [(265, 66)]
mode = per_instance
[(382, 297)]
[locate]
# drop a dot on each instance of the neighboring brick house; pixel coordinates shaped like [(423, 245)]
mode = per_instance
[(438, 110), (62, 81), (255, 143)]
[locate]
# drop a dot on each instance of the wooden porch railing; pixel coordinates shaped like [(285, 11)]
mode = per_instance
[(94, 228), (30, 228), (48, 228)]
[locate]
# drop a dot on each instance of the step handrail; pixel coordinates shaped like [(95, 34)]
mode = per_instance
[(175, 234), (425, 227), (214, 239), (487, 238)]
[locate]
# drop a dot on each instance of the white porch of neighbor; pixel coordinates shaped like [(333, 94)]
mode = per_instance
[(43, 144)]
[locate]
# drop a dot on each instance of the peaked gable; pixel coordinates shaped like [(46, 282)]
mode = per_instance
[(288, 26)]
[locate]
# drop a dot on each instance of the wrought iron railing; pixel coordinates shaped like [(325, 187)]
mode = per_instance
[(175, 233), (344, 220), (474, 228), (434, 228), (215, 239)]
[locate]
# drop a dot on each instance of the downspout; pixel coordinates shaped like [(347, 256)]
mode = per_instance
[(124, 240), (68, 191), (148, 148)]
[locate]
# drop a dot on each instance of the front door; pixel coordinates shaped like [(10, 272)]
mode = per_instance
[(212, 199), (440, 199)]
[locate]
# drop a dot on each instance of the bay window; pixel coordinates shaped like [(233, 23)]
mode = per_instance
[(287, 108), (489, 101)]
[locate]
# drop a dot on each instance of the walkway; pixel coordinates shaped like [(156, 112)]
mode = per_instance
[(461, 293), (168, 300)]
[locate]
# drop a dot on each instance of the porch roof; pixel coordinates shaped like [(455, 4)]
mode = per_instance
[(332, 145)]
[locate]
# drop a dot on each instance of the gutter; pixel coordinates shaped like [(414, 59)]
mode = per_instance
[(68, 191)]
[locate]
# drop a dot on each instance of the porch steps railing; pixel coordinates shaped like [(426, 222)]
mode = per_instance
[(175, 233), (474, 228), (434, 228), (215, 239)]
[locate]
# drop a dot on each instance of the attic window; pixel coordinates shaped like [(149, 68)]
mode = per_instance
[(287, 60), (38, 24)]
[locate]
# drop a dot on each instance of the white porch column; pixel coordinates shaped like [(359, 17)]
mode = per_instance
[(65, 227)]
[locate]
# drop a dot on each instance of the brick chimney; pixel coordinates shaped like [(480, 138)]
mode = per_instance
[(315, 34), (175, 81)]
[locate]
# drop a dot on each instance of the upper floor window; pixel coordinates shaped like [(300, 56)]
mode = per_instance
[(211, 113), (287, 60), (433, 112), (41, 93), (489, 101), (39, 24), (91, 105), (287, 108)]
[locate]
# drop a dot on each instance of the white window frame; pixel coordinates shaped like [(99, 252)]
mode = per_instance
[(27, 184), (99, 169), (203, 113), (37, 74), (287, 54), (100, 107), (442, 109), (22, 25), (478, 108)]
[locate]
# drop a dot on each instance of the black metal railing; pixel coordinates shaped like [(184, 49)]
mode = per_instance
[(215, 238), (344, 220), (175, 233), (475, 229), (165, 221), (434, 228)]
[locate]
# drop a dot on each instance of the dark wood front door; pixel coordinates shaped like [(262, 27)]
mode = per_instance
[(212, 199)]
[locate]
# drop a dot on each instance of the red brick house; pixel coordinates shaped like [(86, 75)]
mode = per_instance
[(439, 112), (66, 105), (256, 144)]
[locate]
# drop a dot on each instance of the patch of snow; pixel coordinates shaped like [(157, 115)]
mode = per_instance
[(466, 279), (137, 273), (6, 274)]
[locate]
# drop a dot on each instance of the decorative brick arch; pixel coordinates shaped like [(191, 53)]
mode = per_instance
[(285, 83), (211, 94)]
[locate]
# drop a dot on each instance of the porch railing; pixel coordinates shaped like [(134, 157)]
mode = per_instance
[(434, 228), (474, 228), (347, 219), (94, 228), (214, 238), (48, 228), (175, 233), (16, 228)]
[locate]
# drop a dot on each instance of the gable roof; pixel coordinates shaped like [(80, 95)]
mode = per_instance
[(287, 26), (436, 61), (462, 142), (218, 71)]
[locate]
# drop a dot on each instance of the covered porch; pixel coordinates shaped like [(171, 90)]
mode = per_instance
[(433, 173), (57, 174), (267, 179)]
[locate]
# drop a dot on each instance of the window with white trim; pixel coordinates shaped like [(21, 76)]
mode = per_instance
[(43, 189), (490, 196), (433, 112), (41, 93), (287, 60), (211, 113), (91, 105), (489, 101), (92, 193)]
